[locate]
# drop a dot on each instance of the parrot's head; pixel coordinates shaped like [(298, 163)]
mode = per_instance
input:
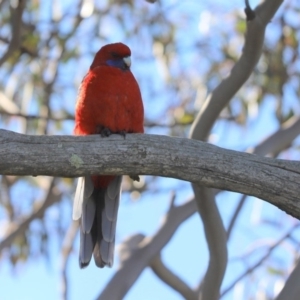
[(114, 55)]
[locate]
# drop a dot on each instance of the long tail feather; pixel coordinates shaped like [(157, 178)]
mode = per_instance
[(98, 212), (86, 248), (107, 222), (88, 214), (78, 199), (84, 190)]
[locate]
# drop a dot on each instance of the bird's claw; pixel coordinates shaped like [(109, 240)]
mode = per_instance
[(123, 133), (104, 131)]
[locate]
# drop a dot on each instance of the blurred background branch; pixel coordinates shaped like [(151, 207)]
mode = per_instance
[(17, 8), (194, 67)]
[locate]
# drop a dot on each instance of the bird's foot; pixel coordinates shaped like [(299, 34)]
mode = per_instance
[(123, 133), (104, 131)]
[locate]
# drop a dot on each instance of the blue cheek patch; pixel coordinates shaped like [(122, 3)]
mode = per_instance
[(117, 63)]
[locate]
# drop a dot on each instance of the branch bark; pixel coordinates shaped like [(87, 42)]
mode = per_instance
[(66, 250), (273, 180), (174, 281), (214, 104), (291, 289), (135, 260), (260, 261), (275, 143), (16, 27), (243, 68)]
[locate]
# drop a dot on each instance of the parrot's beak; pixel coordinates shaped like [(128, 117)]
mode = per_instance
[(127, 61)]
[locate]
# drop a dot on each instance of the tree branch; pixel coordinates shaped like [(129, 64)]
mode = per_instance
[(261, 260), (16, 27), (291, 289), (216, 238), (273, 180), (16, 229), (241, 71), (279, 140), (171, 279), (65, 256), (275, 143), (139, 256), (204, 121)]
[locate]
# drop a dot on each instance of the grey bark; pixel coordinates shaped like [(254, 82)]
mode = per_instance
[(274, 180)]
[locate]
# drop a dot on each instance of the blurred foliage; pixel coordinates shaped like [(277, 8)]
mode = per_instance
[(181, 51)]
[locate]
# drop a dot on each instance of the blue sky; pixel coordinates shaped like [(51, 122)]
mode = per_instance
[(187, 253)]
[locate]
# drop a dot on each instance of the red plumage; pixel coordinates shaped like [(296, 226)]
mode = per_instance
[(109, 101)]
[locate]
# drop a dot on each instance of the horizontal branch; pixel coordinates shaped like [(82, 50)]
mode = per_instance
[(276, 181)]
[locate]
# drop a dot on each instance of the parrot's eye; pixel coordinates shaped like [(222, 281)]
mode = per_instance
[(114, 55)]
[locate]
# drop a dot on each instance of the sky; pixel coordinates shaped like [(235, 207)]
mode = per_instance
[(187, 252)]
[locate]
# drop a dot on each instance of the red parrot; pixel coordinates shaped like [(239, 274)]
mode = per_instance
[(109, 101)]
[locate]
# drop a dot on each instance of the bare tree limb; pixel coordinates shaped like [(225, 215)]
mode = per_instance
[(235, 215), (133, 262), (22, 48), (51, 197), (241, 71), (260, 261), (279, 140), (291, 289), (8, 105), (216, 240), (266, 10), (16, 24), (65, 253), (168, 277), (273, 180), (204, 121), (274, 144), (250, 13), (5, 198)]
